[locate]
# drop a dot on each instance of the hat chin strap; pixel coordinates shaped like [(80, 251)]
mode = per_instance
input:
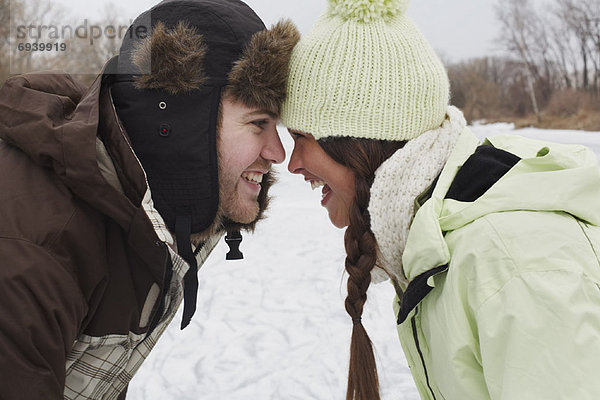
[(183, 229)]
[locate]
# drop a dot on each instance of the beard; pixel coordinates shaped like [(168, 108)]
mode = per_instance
[(232, 214), (225, 222), (238, 214)]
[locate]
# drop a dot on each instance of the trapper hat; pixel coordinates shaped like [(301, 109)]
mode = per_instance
[(175, 62), (365, 71)]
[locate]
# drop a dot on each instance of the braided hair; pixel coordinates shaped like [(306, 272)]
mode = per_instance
[(363, 157)]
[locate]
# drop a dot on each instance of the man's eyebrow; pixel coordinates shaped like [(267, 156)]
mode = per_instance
[(257, 112)]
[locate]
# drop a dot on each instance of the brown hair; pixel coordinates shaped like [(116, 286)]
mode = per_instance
[(363, 157)]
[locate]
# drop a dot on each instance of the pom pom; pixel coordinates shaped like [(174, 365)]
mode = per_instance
[(368, 10)]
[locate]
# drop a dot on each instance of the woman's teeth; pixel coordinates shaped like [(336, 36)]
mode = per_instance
[(316, 184), (325, 191), (254, 177)]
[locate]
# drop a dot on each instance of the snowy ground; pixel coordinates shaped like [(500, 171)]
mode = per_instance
[(273, 326)]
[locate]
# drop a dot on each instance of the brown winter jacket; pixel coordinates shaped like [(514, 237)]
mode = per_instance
[(84, 276)]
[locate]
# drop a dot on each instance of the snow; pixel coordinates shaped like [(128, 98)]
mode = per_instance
[(273, 326)]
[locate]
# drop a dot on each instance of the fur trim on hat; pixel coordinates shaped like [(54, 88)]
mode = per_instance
[(259, 78), (170, 59)]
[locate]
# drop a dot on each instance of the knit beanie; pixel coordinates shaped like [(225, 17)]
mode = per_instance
[(365, 71)]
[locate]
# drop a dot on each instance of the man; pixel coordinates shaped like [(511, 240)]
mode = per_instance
[(112, 196)]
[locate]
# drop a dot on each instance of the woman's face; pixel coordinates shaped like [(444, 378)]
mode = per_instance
[(319, 169)]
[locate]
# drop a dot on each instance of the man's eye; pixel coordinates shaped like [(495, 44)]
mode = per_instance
[(260, 123)]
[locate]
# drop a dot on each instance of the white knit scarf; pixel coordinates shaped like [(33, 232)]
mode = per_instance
[(398, 181)]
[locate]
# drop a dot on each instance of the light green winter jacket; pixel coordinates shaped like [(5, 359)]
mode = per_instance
[(516, 315)]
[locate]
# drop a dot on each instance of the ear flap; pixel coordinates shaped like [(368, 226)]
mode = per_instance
[(170, 59), (259, 78)]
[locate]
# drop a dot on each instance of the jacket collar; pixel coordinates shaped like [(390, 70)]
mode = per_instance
[(63, 128), (425, 245), (549, 177)]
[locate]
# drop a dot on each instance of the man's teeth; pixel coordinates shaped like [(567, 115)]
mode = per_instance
[(254, 177), (316, 184)]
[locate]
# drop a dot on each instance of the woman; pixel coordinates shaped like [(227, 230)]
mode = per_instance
[(493, 248)]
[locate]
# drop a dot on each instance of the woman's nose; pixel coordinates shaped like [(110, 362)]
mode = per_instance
[(295, 165)]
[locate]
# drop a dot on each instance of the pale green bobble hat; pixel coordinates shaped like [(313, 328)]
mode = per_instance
[(366, 71)]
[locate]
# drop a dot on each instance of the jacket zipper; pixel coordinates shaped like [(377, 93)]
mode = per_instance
[(416, 337)]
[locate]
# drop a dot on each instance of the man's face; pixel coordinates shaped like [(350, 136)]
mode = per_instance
[(248, 144)]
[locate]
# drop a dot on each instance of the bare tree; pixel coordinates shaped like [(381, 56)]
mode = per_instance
[(86, 56), (563, 49), (28, 45), (79, 47), (518, 34), (4, 38), (486, 88), (591, 10), (582, 19)]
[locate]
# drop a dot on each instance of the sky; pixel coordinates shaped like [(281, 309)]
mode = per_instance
[(457, 29)]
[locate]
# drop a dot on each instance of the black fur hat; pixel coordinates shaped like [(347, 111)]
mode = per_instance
[(175, 62)]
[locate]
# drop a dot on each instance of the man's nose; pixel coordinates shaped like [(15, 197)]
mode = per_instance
[(273, 150)]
